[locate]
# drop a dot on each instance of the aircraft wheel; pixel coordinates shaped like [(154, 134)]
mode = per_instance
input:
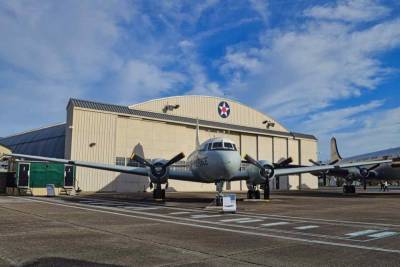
[(157, 193), (163, 194), (352, 189), (345, 189), (219, 200), (257, 194), (249, 194)]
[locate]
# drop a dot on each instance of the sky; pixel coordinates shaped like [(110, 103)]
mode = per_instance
[(327, 68)]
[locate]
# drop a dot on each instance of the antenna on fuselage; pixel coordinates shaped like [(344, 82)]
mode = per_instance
[(197, 134)]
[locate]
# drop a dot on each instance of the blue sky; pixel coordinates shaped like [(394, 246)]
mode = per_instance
[(320, 67)]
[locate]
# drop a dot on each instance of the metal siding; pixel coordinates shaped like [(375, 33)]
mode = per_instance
[(293, 146), (99, 128), (249, 145), (265, 148), (308, 151)]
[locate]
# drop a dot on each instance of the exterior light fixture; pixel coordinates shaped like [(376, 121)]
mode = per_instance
[(170, 108), (269, 123)]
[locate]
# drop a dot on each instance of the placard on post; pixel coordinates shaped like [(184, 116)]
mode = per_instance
[(229, 203)]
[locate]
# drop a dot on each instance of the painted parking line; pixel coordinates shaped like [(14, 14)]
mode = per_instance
[(274, 224), (200, 216), (306, 227), (383, 234), (362, 233), (235, 220), (250, 221), (141, 208), (179, 212)]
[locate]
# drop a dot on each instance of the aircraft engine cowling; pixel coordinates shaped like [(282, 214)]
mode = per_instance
[(158, 173), (158, 169), (259, 176)]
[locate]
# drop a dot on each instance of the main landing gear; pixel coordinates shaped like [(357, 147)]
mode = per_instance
[(219, 197), (253, 192), (348, 187), (158, 192)]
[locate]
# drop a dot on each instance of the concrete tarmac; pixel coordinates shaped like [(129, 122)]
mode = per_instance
[(293, 229)]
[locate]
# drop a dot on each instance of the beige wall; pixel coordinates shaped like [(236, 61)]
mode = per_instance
[(265, 149), (308, 151), (293, 146), (206, 108)]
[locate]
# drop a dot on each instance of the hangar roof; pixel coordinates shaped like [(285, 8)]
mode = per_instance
[(47, 142), (124, 110)]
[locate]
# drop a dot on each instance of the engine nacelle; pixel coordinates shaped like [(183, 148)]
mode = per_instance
[(159, 173), (258, 176)]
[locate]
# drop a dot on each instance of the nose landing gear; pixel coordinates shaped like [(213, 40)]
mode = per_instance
[(219, 197)]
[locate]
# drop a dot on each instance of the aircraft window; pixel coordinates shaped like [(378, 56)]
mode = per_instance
[(203, 147), (228, 145), (217, 145)]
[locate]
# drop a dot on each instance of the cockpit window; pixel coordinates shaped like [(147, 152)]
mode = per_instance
[(228, 145), (217, 145), (222, 146)]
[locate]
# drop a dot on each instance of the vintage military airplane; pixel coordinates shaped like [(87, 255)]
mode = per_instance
[(386, 171), (217, 160)]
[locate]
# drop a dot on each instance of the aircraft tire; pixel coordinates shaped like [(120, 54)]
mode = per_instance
[(163, 194), (257, 194), (249, 194)]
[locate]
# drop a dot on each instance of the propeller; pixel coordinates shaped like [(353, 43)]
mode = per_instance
[(266, 170), (158, 169), (365, 172)]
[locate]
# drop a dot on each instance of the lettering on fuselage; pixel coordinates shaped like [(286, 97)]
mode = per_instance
[(200, 162)]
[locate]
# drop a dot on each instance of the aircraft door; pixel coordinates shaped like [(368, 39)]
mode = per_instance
[(23, 175), (68, 176)]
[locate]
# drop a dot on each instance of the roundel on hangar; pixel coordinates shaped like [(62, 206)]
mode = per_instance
[(224, 109)]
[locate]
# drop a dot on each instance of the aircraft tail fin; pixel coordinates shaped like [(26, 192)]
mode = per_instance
[(335, 156), (197, 134)]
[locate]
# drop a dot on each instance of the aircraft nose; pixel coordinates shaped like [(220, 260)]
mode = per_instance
[(227, 164)]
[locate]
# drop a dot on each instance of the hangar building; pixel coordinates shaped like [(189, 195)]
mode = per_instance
[(162, 128)]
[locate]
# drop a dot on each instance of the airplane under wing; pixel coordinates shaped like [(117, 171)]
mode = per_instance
[(289, 171)]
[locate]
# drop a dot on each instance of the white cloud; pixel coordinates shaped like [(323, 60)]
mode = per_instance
[(296, 72), (139, 79), (349, 10), (261, 7), (379, 130), (336, 120)]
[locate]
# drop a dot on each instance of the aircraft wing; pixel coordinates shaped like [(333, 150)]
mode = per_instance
[(108, 167), (289, 171), (176, 174)]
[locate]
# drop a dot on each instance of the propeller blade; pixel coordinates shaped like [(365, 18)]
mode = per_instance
[(314, 162), (253, 161), (284, 162), (175, 159), (373, 167), (141, 160)]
